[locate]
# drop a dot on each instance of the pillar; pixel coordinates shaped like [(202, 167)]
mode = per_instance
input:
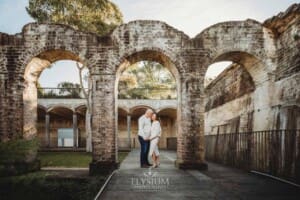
[(75, 130), (190, 147), (129, 130), (104, 132), (47, 129), (3, 121)]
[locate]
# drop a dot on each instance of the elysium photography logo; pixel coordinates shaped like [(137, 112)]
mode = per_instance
[(150, 181)]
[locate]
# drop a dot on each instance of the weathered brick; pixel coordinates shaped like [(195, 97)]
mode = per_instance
[(262, 49)]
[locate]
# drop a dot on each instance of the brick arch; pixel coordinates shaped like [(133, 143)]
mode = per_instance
[(150, 54), (166, 108), (79, 106), (39, 38), (149, 31), (53, 107), (164, 57), (131, 110), (245, 36), (39, 106), (47, 56), (245, 42), (248, 38), (257, 68), (168, 59), (125, 110), (154, 36), (31, 72)]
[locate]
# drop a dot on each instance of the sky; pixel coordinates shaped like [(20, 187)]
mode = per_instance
[(189, 16)]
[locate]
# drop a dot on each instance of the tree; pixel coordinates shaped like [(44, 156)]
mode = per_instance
[(99, 16), (70, 89), (40, 91), (146, 80), (87, 95)]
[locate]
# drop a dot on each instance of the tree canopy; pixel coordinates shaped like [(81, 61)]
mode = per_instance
[(147, 80), (99, 16)]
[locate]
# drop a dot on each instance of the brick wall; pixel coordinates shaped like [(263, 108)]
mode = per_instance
[(249, 43)]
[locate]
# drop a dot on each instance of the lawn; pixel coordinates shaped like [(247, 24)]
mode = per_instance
[(45, 185), (69, 159), (40, 185)]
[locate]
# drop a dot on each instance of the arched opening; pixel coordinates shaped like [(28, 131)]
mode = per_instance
[(81, 125), (236, 101), (149, 96), (61, 128), (229, 95), (123, 132), (214, 70), (47, 84), (167, 117)]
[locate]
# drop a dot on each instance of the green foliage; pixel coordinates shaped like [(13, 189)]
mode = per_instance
[(65, 159), (17, 150), (69, 159), (39, 89), (99, 16), (122, 156), (147, 80), (49, 185), (42, 185), (63, 90), (69, 89)]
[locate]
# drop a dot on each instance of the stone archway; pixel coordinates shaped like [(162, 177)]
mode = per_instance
[(248, 42), (155, 55), (169, 124), (32, 72), (260, 79), (189, 150)]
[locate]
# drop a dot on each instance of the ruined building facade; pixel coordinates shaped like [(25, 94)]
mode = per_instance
[(61, 123), (268, 51)]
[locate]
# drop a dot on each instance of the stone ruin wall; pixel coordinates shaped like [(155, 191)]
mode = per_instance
[(266, 50), (245, 111)]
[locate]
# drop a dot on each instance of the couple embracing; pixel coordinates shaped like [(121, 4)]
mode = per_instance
[(149, 134)]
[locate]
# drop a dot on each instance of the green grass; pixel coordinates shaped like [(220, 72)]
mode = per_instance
[(43, 185), (122, 156), (69, 159), (39, 185), (65, 159)]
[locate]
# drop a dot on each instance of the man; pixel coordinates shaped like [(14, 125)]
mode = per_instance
[(144, 125)]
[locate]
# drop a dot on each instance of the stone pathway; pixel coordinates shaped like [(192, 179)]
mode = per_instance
[(167, 182)]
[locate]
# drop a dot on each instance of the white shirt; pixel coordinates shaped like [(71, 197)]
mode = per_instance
[(155, 129), (144, 127)]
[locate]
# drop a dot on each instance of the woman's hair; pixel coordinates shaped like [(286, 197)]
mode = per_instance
[(157, 117)]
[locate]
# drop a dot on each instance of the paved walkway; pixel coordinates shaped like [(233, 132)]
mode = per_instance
[(167, 182)]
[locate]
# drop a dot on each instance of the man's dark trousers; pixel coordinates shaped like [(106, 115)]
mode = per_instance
[(144, 150)]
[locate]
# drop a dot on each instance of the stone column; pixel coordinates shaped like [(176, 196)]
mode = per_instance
[(30, 110), (75, 130), (14, 106), (129, 130), (3, 119), (47, 129), (104, 154), (190, 148)]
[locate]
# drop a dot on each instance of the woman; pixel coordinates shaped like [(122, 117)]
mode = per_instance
[(154, 138)]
